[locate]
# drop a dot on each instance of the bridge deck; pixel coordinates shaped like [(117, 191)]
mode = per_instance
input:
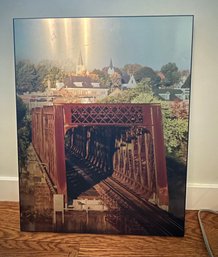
[(127, 211)]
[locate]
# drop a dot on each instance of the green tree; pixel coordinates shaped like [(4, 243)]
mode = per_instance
[(32, 78), (175, 127), (23, 131), (171, 73), (21, 111), (176, 137), (146, 72), (26, 77), (42, 70), (54, 74)]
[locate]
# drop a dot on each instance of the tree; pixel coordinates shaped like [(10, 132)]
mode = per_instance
[(117, 70), (42, 70), (131, 69), (26, 77), (21, 111), (23, 131), (115, 79), (102, 76), (32, 78), (171, 73), (175, 127), (94, 77), (176, 137), (179, 109), (54, 74), (145, 72)]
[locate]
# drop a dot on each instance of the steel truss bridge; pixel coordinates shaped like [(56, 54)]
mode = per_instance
[(116, 148)]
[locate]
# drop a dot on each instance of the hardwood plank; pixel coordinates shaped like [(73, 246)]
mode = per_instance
[(148, 246), (16, 243), (25, 253), (210, 222), (37, 247)]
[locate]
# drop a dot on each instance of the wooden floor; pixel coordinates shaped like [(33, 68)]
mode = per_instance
[(26, 244)]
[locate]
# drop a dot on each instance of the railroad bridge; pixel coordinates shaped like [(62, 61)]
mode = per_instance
[(121, 144), (115, 151)]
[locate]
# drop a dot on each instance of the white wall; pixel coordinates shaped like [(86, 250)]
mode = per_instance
[(203, 151)]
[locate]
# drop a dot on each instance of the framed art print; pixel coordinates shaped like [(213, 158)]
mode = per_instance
[(102, 123)]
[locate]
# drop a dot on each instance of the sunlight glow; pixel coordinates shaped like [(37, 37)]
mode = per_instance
[(68, 36), (52, 35), (86, 38)]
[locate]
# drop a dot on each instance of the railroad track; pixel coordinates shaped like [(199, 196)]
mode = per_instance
[(149, 216)]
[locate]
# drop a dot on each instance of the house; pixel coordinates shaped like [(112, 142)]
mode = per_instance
[(169, 94), (82, 89), (172, 94), (128, 84), (127, 81), (79, 88), (186, 87)]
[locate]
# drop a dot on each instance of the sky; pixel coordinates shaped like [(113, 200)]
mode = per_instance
[(149, 41)]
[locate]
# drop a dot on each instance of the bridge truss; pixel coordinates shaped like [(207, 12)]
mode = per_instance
[(138, 155)]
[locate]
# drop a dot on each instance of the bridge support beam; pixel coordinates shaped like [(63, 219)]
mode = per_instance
[(60, 167), (159, 159)]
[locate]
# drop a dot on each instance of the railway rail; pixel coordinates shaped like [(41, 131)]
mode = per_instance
[(149, 218)]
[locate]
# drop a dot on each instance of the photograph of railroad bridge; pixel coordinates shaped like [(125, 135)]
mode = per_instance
[(103, 149)]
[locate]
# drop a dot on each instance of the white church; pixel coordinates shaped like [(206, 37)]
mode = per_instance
[(126, 83)]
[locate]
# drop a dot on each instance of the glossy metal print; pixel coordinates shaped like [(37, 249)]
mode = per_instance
[(102, 123)]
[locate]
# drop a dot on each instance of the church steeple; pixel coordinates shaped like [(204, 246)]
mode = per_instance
[(111, 68), (111, 64), (80, 67)]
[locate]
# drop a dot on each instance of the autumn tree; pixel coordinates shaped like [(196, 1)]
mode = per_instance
[(131, 69), (102, 77), (115, 79), (94, 77), (180, 109)]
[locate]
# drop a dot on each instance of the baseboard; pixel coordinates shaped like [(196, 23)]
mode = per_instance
[(199, 196), (9, 189), (202, 196)]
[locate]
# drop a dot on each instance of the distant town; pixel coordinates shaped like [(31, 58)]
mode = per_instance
[(52, 84)]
